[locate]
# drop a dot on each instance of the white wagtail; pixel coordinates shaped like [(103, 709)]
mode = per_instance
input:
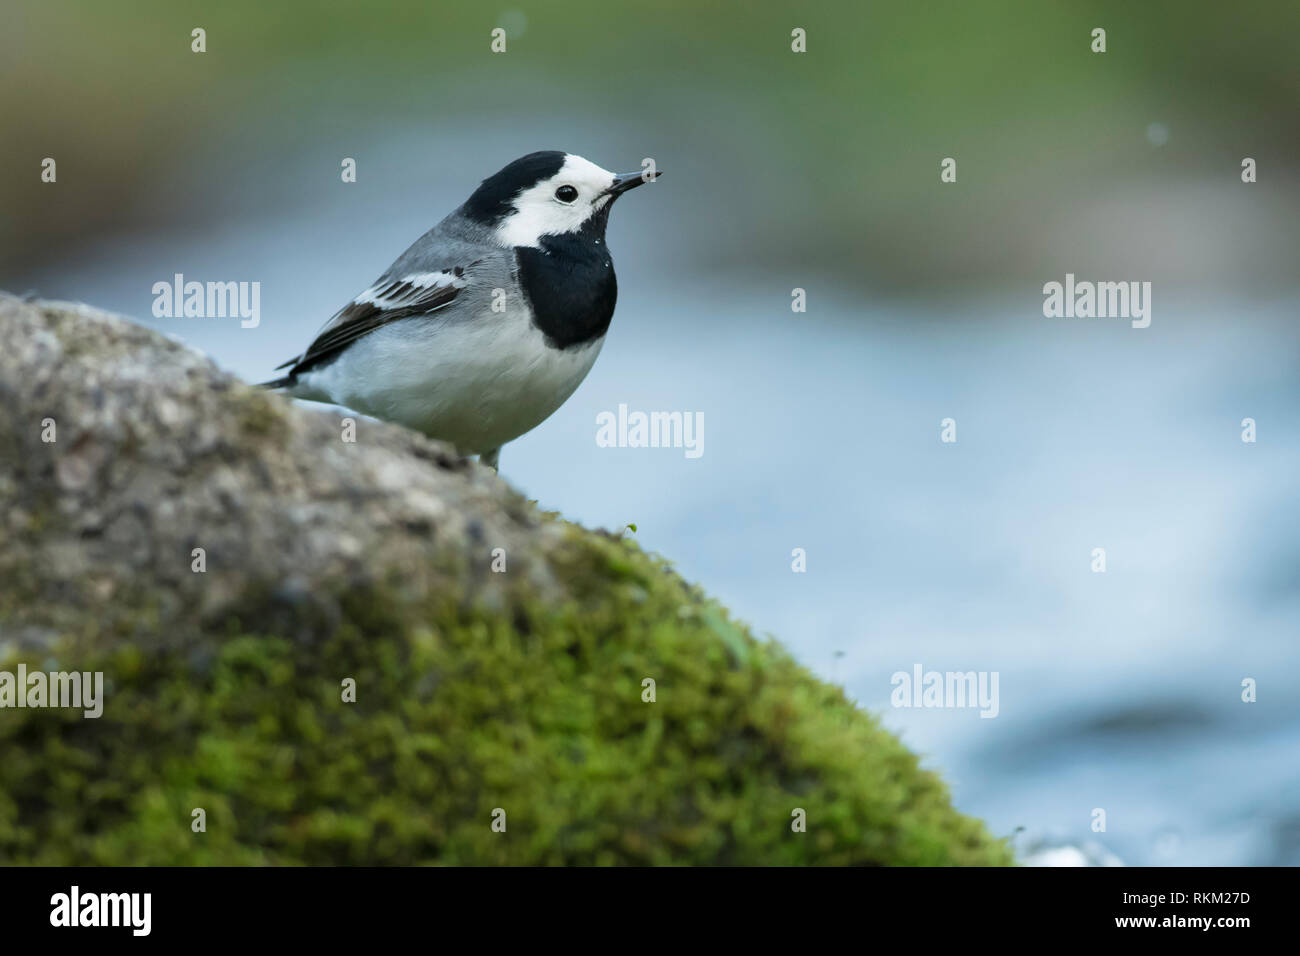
[(487, 324)]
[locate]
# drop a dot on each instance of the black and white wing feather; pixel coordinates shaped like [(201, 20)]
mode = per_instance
[(393, 297)]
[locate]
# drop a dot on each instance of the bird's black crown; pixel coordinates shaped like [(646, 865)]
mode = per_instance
[(491, 202)]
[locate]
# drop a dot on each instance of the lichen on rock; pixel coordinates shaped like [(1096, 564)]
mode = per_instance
[(518, 697)]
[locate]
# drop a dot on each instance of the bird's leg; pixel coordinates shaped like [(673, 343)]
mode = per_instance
[(491, 458)]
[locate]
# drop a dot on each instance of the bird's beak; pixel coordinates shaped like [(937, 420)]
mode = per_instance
[(625, 181)]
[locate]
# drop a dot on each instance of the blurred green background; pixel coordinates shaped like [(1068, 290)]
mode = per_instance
[(826, 161)]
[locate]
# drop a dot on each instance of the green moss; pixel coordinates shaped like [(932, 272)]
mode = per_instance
[(460, 710), (258, 413)]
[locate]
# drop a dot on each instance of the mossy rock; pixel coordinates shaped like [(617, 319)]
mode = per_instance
[(480, 696)]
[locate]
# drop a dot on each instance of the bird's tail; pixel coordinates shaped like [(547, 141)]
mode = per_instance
[(290, 379)]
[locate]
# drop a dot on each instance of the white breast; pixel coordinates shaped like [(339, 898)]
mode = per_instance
[(475, 382)]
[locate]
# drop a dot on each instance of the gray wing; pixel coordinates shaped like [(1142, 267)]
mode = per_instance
[(427, 278)]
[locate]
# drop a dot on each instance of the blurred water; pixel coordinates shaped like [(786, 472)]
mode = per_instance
[(821, 431), (1118, 690)]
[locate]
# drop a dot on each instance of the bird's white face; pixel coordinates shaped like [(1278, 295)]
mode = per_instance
[(559, 204)]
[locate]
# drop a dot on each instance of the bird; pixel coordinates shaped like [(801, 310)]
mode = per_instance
[(487, 324)]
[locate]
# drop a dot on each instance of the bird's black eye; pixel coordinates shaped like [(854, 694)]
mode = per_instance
[(566, 194)]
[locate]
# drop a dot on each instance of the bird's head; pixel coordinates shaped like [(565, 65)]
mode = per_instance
[(548, 193)]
